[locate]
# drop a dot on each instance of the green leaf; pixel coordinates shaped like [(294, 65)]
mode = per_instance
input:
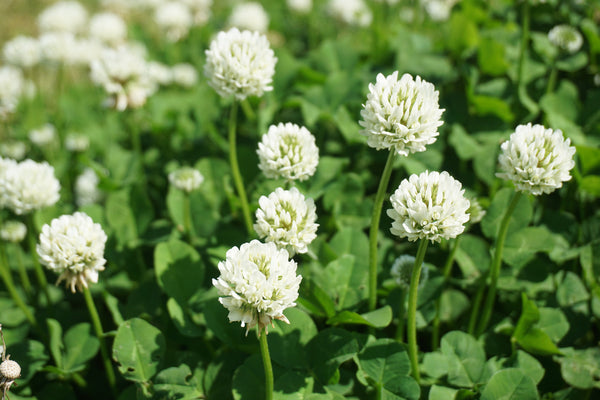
[(530, 337), (287, 342), (488, 105), (139, 349), (591, 185), (491, 57), (527, 364), (510, 384), (589, 157), (472, 256), (177, 383), (581, 368), (571, 290), (554, 323), (230, 333), (180, 316), (330, 348), (81, 345), (465, 357), (347, 281), (453, 304), (120, 218), (519, 219), (56, 341), (31, 355), (179, 269), (348, 126), (445, 393), (521, 246), (435, 364), (315, 299), (379, 318), (465, 145)]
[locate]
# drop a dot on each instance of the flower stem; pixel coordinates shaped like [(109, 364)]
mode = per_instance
[(412, 310), (235, 169), (187, 218), (401, 316), (495, 268), (476, 306), (23, 275), (373, 231), (266, 359), (10, 286), (39, 272), (89, 301)]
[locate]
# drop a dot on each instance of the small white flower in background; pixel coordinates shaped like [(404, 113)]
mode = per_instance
[(537, 160), (64, 16), (402, 268), (258, 282), (77, 142), (402, 115), (28, 186), (59, 48), (184, 75), (351, 12), (187, 179), (43, 136), (300, 6), (438, 10), (123, 73), (200, 10), (288, 151), (566, 38), (475, 211), (86, 188), (73, 246), (86, 51), (13, 231), (160, 73), (251, 16), (429, 206), (174, 18), (109, 28), (13, 149), (12, 88), (287, 219), (22, 51), (241, 64)]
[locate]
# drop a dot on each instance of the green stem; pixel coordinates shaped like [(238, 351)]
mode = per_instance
[(495, 267), (412, 310), (476, 306), (401, 316), (235, 169), (552, 79), (266, 359), (248, 111), (10, 286), (525, 21), (373, 231), (23, 275), (187, 218), (37, 267), (89, 301)]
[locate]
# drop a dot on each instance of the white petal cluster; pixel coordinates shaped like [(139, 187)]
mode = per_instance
[(287, 219), (257, 282), (429, 206), (59, 48), (438, 10), (175, 19), (73, 246), (160, 73), (13, 231), (187, 179), (86, 188), (13, 86), (108, 28), (123, 73), (251, 16), (200, 10), (64, 16), (14, 149), (402, 269), (476, 211), (288, 151), (241, 64), (27, 186), (566, 38), (43, 136), (184, 75), (22, 51), (300, 6), (402, 115), (77, 142), (351, 12), (537, 160)]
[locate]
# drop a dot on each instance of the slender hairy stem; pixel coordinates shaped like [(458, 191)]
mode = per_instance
[(379, 197), (10, 286), (187, 218), (266, 359), (552, 79), (476, 305), (23, 275), (412, 310), (39, 272), (495, 267), (248, 111), (401, 316), (110, 373), (235, 169)]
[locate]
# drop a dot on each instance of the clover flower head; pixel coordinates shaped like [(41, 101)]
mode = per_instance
[(77, 142), (187, 179), (249, 15), (351, 12), (160, 73), (241, 64), (28, 186), (429, 206), (86, 188), (257, 283), (184, 75), (200, 9), (43, 135), (438, 10), (288, 151), (22, 51), (73, 246), (287, 219), (300, 6), (108, 27), (401, 115), (60, 48), (64, 16), (402, 269), (13, 86), (537, 160), (476, 212), (6, 165), (174, 18), (13, 231), (566, 38), (14, 149)]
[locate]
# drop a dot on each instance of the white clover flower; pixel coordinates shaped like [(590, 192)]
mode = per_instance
[(73, 246), (257, 282), (28, 186), (537, 160), (13, 149), (288, 151), (287, 219), (438, 10), (174, 18), (241, 64), (123, 74), (251, 16), (43, 136), (184, 75), (160, 73), (22, 51), (86, 188), (77, 142), (13, 231), (59, 48), (429, 206), (187, 179), (12, 87), (351, 12), (402, 269), (64, 16), (475, 211), (300, 6), (566, 38), (402, 115), (200, 10), (108, 28)]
